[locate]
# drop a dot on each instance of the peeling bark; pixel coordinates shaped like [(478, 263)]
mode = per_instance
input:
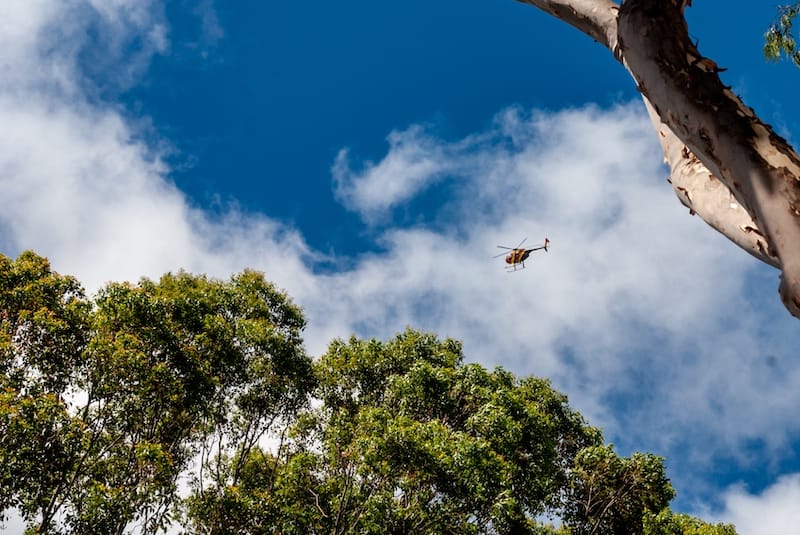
[(707, 196), (726, 165)]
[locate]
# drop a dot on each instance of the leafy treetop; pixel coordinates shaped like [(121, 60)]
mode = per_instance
[(106, 402)]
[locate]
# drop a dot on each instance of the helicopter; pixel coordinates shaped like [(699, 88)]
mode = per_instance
[(517, 255)]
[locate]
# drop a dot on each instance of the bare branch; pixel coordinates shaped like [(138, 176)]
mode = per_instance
[(316, 502), (595, 18)]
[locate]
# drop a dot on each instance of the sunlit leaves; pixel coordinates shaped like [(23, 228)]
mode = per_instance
[(612, 494), (104, 403), (43, 325), (38, 443), (409, 439), (668, 523), (779, 39)]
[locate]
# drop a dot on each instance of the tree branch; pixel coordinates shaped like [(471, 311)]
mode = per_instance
[(759, 168), (595, 18), (726, 165)]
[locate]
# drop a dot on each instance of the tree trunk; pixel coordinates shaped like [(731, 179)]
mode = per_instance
[(726, 165)]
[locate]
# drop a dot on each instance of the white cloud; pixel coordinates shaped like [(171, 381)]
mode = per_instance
[(637, 303), (774, 511), (653, 325), (45, 45), (414, 162)]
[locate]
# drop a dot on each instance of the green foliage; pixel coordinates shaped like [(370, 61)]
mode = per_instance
[(668, 523), (44, 328), (611, 494), (440, 445), (779, 39), (104, 403), (409, 439)]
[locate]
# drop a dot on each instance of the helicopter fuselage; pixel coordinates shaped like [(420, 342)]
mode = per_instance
[(517, 256)]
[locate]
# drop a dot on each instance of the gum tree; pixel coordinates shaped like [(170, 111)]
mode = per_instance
[(726, 164), (105, 402), (407, 438)]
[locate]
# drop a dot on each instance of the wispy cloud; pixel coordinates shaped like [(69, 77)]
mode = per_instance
[(657, 328), (640, 312), (78, 49), (413, 163)]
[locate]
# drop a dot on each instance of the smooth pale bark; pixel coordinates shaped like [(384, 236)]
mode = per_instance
[(707, 196), (726, 165)]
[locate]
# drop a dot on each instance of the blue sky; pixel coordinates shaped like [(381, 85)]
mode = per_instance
[(290, 85), (368, 157)]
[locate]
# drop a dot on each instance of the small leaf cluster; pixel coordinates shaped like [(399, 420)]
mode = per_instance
[(668, 523), (779, 39)]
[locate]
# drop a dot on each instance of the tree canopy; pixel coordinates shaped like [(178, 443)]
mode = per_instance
[(407, 438), (106, 403)]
